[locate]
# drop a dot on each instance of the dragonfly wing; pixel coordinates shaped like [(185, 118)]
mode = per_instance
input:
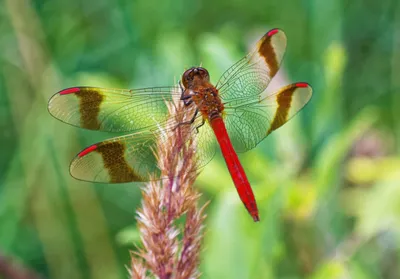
[(249, 123), (112, 110), (122, 159), (251, 75), (131, 158)]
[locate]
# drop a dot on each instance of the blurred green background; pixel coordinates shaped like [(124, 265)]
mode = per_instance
[(327, 183)]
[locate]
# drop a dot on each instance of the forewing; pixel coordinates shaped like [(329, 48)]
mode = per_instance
[(112, 110), (251, 75), (249, 123)]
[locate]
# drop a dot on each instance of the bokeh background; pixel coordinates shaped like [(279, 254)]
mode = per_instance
[(327, 183)]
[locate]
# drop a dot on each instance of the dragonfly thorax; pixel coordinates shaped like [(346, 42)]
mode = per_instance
[(196, 82), (208, 102)]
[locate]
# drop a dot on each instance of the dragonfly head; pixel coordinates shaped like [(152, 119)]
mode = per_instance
[(195, 75)]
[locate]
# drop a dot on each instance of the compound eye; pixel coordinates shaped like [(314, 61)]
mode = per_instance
[(188, 75), (203, 72)]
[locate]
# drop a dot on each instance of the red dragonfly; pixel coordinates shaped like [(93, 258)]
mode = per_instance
[(234, 109)]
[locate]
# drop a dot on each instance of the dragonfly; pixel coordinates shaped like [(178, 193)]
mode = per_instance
[(234, 114)]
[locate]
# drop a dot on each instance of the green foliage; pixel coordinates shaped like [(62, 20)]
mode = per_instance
[(327, 183)]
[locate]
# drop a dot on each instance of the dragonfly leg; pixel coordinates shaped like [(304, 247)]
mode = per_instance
[(189, 121), (202, 123)]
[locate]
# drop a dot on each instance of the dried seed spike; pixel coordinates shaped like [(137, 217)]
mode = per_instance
[(163, 255)]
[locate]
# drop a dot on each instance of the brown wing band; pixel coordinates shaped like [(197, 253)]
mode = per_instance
[(89, 108), (114, 161), (267, 51), (284, 101)]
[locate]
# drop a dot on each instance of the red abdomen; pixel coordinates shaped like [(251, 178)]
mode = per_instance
[(235, 168)]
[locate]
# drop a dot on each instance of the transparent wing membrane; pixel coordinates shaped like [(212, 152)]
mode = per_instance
[(251, 75), (131, 158), (250, 122), (112, 110)]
